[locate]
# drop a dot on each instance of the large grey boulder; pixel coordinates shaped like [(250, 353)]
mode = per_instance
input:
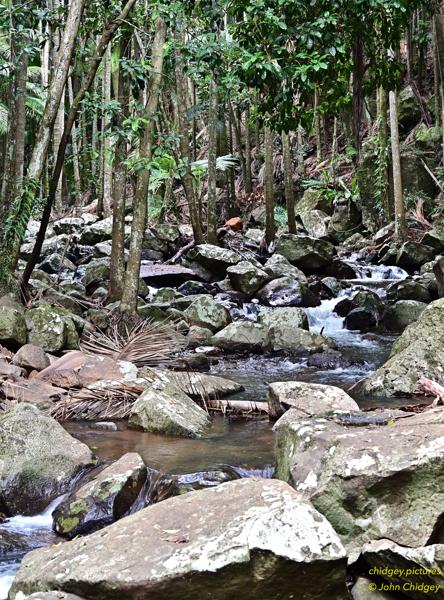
[(419, 351), (416, 572), (402, 314), (315, 223), (286, 291), (12, 327), (96, 272), (278, 266), (38, 460), (414, 254), (100, 231), (369, 480), (284, 317), (296, 341), (32, 357), (164, 408), (247, 539), (307, 399), (52, 328), (197, 385), (68, 225), (105, 499), (314, 199), (241, 336), (366, 589), (247, 278), (305, 252), (214, 258), (207, 312)]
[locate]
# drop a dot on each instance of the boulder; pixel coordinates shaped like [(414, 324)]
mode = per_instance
[(296, 341), (168, 232), (51, 328), (414, 254), (246, 538), (438, 270), (278, 266), (96, 273), (366, 311), (284, 317), (214, 258), (198, 336), (102, 250), (247, 278), (31, 357), (371, 475), (306, 399), (241, 336), (315, 223), (56, 263), (164, 408), (314, 199), (416, 572), (50, 596), (434, 238), (105, 499), (12, 327), (286, 291), (409, 108), (305, 252), (206, 312), (100, 231), (367, 589), (346, 219), (38, 460), (330, 359), (197, 385), (408, 289), (340, 269), (419, 351), (68, 225), (402, 314)]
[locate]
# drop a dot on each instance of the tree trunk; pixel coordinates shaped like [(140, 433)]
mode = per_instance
[(107, 147), (184, 140), (248, 174), (288, 182), (383, 152), (212, 169), (317, 126), (400, 217), (86, 84), (75, 148), (128, 304), (117, 266), (270, 229)]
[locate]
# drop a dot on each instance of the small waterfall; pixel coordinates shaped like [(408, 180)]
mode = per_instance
[(30, 533)]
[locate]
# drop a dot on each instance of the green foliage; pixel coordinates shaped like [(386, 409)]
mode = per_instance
[(280, 216)]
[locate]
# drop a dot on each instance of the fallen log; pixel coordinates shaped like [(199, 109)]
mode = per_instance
[(431, 388), (242, 407)]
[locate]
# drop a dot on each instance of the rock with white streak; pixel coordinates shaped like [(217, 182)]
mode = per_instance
[(247, 539)]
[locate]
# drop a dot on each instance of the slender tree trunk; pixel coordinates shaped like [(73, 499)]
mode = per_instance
[(358, 95), (270, 228), (75, 148), (107, 149), (317, 125), (301, 164), (184, 140), (248, 174), (128, 304), (212, 168), (288, 182), (117, 266), (60, 118), (86, 84), (383, 153), (400, 217)]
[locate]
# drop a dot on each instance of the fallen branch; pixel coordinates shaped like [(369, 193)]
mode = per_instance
[(182, 251), (431, 388), (237, 406)]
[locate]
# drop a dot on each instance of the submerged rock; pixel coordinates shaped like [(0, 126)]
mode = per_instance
[(419, 351), (245, 539), (38, 460), (296, 341), (105, 499), (369, 480), (284, 317), (164, 408), (307, 399)]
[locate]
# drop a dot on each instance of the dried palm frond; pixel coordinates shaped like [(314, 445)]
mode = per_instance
[(144, 343), (417, 214), (97, 404)]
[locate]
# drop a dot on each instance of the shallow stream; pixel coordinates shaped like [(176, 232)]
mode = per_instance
[(241, 443)]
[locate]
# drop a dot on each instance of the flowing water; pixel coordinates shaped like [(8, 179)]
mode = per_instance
[(245, 445)]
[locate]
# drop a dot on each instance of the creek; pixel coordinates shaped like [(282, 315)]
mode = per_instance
[(245, 446)]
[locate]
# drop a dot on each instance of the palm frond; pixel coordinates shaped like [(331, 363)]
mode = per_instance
[(145, 343), (35, 106), (223, 163), (3, 119)]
